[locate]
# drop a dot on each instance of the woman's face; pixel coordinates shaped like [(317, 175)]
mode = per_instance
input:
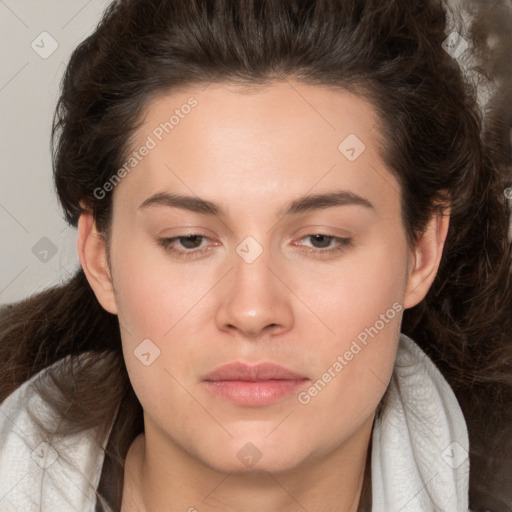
[(285, 245)]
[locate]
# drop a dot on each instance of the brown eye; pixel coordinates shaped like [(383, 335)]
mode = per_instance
[(326, 244), (184, 245)]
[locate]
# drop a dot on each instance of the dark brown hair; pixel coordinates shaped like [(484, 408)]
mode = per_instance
[(438, 144)]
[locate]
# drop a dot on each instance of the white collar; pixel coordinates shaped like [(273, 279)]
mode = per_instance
[(419, 449), (420, 442), (37, 474)]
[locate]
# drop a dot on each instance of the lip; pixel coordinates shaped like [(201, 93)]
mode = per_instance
[(254, 373), (258, 385)]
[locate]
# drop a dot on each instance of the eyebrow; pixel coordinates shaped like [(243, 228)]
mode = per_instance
[(301, 205)]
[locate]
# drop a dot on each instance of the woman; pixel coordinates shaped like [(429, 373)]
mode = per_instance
[(295, 288)]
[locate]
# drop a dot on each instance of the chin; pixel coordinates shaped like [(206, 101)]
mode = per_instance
[(258, 457)]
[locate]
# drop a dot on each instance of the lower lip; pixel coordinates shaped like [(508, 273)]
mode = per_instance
[(263, 392)]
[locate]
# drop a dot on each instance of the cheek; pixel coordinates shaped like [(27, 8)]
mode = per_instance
[(157, 301), (353, 294), (360, 302), (152, 293)]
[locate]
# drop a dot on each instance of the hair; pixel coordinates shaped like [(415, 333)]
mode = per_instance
[(443, 146)]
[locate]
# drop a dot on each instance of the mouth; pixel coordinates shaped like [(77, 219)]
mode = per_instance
[(258, 385)]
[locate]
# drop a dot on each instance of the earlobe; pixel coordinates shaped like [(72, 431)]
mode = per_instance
[(426, 258), (93, 258)]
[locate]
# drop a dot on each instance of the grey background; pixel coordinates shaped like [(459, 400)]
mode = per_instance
[(30, 220), (38, 249)]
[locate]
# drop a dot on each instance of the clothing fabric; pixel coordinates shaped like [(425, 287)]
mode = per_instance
[(419, 459), (56, 474), (420, 443)]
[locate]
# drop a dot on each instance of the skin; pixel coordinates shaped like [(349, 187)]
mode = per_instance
[(253, 152)]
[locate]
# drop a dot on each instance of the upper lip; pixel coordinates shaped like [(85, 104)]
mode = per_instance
[(259, 372)]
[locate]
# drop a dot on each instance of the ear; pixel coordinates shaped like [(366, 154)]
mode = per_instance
[(91, 249), (425, 258)]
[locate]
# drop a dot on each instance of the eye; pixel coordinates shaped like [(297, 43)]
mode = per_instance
[(190, 245), (323, 243)]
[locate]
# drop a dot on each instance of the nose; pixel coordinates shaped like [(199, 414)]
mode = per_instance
[(254, 300)]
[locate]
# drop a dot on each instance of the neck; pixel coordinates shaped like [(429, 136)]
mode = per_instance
[(163, 477)]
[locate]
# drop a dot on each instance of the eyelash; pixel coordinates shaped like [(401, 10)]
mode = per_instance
[(167, 244)]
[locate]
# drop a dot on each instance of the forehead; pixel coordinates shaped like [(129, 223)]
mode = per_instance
[(322, 112), (225, 140)]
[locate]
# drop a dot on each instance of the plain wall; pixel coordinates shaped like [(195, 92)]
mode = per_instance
[(37, 248)]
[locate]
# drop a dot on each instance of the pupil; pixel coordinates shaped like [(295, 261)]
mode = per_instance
[(324, 237), (186, 239)]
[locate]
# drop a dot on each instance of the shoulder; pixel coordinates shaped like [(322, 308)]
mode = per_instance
[(39, 469)]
